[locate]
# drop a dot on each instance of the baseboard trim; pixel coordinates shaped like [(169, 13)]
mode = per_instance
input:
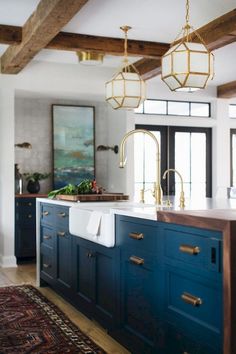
[(8, 261)]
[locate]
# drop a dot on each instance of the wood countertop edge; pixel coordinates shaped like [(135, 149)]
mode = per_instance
[(31, 195)]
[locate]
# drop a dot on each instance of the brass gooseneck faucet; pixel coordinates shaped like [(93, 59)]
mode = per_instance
[(157, 185), (182, 198)]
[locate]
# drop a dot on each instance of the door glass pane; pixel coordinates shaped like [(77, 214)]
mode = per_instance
[(145, 164), (190, 161)]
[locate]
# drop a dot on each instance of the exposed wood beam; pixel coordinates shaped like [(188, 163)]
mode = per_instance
[(112, 46), (216, 34), (43, 25), (10, 34), (227, 90), (148, 68)]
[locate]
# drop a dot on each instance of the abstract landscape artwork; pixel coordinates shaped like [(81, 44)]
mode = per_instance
[(73, 144)]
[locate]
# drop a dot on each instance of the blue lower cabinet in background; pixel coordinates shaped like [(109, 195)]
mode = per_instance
[(158, 291)]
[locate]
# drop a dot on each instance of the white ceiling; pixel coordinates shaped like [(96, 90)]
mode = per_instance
[(153, 20)]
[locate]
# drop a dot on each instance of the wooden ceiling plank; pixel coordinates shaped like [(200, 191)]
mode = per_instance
[(216, 34), (227, 90), (10, 34), (43, 25), (111, 46)]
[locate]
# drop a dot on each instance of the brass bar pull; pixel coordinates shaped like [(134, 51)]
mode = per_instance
[(194, 250), (47, 237), (29, 216), (45, 213), (62, 215), (45, 265), (136, 260), (191, 299), (61, 233), (136, 235)]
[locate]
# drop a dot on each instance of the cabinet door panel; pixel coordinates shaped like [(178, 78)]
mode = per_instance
[(63, 258), (25, 242), (138, 298)]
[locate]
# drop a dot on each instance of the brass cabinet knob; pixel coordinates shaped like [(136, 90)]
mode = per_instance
[(45, 213), (29, 216), (45, 265), (30, 204), (47, 237), (61, 233), (136, 235), (136, 260), (191, 299), (194, 250), (62, 215)]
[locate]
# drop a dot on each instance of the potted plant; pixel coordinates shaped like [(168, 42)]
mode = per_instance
[(33, 179)]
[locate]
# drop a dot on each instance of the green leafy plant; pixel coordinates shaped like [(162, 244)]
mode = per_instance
[(85, 187), (36, 176)]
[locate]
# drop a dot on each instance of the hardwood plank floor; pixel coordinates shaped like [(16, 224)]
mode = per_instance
[(26, 274)]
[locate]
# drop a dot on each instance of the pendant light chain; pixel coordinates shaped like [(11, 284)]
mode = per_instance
[(125, 29)]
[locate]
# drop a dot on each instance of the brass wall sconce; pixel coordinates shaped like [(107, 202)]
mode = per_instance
[(114, 148), (24, 145)]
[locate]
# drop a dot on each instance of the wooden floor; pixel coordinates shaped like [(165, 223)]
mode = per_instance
[(26, 274)]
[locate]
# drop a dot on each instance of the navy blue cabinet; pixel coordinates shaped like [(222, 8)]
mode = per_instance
[(95, 280), (25, 228), (171, 288)]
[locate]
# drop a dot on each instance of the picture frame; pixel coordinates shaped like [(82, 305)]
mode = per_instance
[(73, 131)]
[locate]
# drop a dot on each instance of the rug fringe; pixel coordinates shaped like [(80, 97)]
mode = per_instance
[(18, 284)]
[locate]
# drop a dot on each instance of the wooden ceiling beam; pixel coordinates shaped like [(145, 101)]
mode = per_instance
[(10, 34), (42, 26), (227, 90), (216, 34), (111, 46)]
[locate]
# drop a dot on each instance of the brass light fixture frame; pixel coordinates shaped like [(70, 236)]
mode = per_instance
[(185, 39), (127, 67)]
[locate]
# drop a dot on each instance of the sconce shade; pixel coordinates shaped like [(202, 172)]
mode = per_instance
[(125, 90), (187, 66)]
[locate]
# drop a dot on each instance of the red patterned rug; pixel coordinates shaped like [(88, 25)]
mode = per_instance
[(30, 323)]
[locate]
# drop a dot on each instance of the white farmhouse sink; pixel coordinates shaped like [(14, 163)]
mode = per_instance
[(93, 222)]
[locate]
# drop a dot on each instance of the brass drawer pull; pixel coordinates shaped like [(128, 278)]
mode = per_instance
[(62, 215), (194, 250), (29, 216), (191, 299), (61, 233), (136, 260), (47, 237), (45, 265), (136, 235), (45, 213)]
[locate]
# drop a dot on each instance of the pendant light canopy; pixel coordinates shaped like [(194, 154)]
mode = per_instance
[(126, 89), (187, 66)]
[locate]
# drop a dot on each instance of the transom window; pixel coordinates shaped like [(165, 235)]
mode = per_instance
[(176, 108)]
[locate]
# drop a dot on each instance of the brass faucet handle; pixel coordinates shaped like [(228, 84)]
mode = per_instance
[(182, 200)]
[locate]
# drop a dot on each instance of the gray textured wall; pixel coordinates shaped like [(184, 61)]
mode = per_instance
[(33, 124)]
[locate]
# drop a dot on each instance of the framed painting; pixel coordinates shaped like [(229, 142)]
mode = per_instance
[(73, 144)]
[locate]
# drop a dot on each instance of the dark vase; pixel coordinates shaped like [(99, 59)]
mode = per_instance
[(33, 187)]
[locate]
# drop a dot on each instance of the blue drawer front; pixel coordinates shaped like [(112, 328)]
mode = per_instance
[(201, 251), (47, 213), (205, 320), (47, 236), (137, 234), (62, 216)]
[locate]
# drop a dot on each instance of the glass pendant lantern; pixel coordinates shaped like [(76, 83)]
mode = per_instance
[(126, 89), (187, 65)]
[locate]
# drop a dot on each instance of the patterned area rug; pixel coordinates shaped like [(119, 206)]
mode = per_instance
[(29, 323)]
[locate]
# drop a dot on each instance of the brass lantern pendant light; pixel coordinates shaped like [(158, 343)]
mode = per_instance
[(126, 89), (188, 65)]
